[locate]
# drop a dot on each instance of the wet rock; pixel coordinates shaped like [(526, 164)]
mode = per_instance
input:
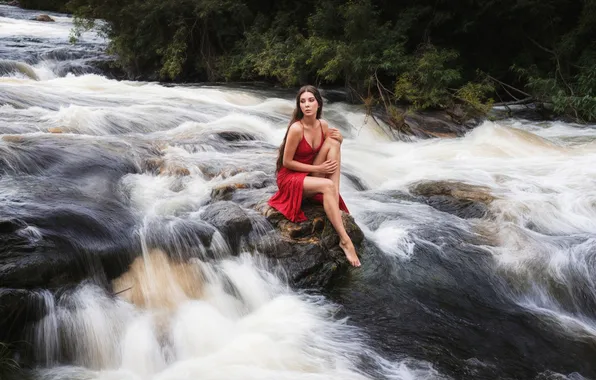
[(181, 238), (531, 111), (28, 305), (235, 136), (230, 219), (465, 209), (160, 166), (44, 18), (19, 308), (433, 123), (57, 249), (10, 67), (458, 198), (454, 189), (244, 181), (309, 251), (210, 170), (29, 261), (225, 191), (109, 68), (152, 164), (174, 170), (13, 138), (55, 130), (356, 182)]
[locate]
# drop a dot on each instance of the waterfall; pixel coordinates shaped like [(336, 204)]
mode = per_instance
[(478, 259)]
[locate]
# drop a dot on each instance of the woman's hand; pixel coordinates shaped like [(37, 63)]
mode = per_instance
[(327, 167), (335, 134)]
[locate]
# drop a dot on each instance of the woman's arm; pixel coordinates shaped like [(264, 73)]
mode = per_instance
[(334, 133), (292, 141)]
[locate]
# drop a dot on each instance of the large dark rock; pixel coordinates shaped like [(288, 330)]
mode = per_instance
[(308, 252), (18, 307), (430, 123), (458, 198), (180, 238), (30, 261), (438, 124), (230, 219)]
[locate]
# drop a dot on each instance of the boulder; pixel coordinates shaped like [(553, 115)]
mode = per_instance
[(437, 124), (308, 252), (454, 189), (448, 123), (181, 238), (44, 18), (231, 220), (27, 261), (458, 198)]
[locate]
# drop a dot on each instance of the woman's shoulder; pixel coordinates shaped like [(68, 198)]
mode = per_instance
[(295, 128), (324, 124)]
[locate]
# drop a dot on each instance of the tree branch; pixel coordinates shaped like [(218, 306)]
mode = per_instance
[(508, 85), (527, 100)]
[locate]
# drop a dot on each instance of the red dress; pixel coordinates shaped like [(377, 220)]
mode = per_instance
[(290, 183)]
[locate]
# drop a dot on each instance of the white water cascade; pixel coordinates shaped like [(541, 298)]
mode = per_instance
[(235, 317)]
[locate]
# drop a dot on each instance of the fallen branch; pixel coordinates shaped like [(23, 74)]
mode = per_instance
[(508, 86), (527, 100)]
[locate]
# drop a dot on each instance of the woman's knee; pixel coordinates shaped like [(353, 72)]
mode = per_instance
[(328, 187), (332, 143)]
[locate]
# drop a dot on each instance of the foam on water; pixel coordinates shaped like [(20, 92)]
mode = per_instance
[(240, 320), (262, 331)]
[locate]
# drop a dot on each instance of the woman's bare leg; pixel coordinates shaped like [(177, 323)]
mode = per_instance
[(315, 185), (331, 150)]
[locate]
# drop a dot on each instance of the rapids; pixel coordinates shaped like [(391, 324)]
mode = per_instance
[(508, 294)]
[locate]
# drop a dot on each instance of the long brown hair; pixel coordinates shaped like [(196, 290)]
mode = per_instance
[(298, 115)]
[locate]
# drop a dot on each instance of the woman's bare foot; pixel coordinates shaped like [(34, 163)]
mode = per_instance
[(350, 251)]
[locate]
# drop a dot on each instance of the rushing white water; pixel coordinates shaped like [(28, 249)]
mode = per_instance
[(264, 331), (543, 224), (546, 181), (197, 329)]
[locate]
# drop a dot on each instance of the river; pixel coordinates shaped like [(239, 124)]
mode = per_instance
[(508, 293)]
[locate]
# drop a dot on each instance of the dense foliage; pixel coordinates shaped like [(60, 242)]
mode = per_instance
[(426, 53), (47, 5)]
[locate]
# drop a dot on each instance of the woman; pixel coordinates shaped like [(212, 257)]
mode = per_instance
[(308, 165)]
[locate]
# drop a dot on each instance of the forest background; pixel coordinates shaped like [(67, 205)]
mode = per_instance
[(462, 56)]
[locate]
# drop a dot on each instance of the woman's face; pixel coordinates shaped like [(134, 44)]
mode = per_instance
[(308, 104)]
